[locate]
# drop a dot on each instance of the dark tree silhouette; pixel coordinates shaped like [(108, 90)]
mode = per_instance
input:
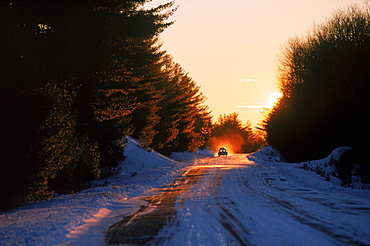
[(73, 76), (325, 79)]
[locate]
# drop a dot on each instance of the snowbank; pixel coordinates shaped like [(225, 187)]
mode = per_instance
[(187, 156), (267, 153), (66, 218), (341, 167), (329, 168)]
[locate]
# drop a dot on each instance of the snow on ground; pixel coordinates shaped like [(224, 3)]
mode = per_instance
[(66, 218), (300, 174), (83, 218)]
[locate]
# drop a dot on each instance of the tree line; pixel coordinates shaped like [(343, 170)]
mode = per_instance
[(76, 78), (324, 78), (230, 132)]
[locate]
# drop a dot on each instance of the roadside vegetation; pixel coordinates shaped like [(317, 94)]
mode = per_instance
[(76, 78), (79, 76), (230, 132), (324, 78)]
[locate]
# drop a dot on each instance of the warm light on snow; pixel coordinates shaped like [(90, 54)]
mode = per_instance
[(241, 199), (93, 221), (227, 166)]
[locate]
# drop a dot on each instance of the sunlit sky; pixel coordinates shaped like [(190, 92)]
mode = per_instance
[(230, 47)]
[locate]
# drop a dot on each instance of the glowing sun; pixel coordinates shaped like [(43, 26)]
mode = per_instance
[(273, 99)]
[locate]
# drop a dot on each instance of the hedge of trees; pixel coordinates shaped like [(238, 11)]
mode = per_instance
[(230, 132), (325, 82), (78, 76)]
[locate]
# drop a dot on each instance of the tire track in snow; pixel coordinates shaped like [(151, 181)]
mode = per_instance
[(142, 226), (205, 213), (233, 201)]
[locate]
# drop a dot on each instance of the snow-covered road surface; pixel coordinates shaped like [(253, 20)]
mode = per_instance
[(236, 201)]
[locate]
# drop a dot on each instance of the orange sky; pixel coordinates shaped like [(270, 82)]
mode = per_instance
[(230, 47)]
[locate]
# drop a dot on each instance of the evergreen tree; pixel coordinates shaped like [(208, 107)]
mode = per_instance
[(184, 120), (71, 76), (78, 76)]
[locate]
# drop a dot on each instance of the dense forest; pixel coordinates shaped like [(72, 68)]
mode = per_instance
[(324, 78), (79, 76), (76, 78)]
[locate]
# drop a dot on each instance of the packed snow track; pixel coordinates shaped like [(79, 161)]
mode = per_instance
[(235, 201)]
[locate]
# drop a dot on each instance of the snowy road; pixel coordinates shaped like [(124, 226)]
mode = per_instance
[(235, 201)]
